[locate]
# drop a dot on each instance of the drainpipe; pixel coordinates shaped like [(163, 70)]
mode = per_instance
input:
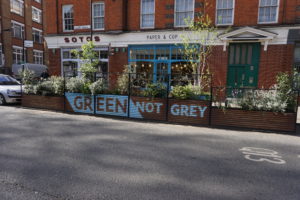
[(125, 15), (57, 14)]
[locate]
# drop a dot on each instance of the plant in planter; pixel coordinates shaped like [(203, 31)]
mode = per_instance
[(189, 92), (78, 85), (98, 87), (153, 90), (54, 86)]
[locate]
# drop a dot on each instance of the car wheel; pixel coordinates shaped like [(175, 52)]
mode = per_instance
[(2, 100)]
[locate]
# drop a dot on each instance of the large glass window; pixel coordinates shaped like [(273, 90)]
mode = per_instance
[(36, 15), (268, 11), (98, 16), (37, 35), (38, 57), (68, 18), (17, 30), (147, 13), (225, 12), (17, 6), (184, 10)]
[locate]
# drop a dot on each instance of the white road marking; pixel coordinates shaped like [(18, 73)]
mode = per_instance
[(260, 155)]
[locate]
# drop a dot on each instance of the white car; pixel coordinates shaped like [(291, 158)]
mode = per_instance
[(10, 90)]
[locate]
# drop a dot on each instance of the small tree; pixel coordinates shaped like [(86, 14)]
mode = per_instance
[(89, 60), (198, 41)]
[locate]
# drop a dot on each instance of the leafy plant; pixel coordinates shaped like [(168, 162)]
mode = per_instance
[(188, 92), (75, 85), (27, 76), (98, 87), (89, 59), (123, 81), (154, 90)]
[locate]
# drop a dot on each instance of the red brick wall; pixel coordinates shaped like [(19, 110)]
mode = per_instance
[(246, 13), (117, 64), (278, 58), (54, 62), (218, 64)]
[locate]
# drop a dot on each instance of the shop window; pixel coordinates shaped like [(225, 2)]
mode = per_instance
[(225, 12), (147, 13), (68, 18), (268, 11), (184, 10), (98, 16)]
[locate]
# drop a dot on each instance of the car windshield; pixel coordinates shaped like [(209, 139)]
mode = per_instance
[(7, 80)]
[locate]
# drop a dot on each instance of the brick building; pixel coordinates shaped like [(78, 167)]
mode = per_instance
[(21, 20), (145, 34)]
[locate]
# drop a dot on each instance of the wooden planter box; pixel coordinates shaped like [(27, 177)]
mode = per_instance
[(189, 111), (254, 119), (148, 108), (43, 102)]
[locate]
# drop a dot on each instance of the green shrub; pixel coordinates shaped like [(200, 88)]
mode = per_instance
[(98, 87), (188, 92), (154, 90), (75, 85), (53, 86)]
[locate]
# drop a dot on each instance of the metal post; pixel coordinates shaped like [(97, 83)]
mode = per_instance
[(211, 101), (65, 110), (167, 98), (129, 94)]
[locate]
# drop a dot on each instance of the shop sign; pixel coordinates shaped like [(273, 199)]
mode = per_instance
[(140, 107), (82, 27), (81, 39), (163, 37)]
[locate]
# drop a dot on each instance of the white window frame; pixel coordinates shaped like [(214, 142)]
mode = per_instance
[(277, 14), (40, 56), (21, 54), (233, 12), (63, 18), (38, 1), (22, 29), (141, 16), (178, 26), (13, 11), (40, 15), (41, 35), (93, 15)]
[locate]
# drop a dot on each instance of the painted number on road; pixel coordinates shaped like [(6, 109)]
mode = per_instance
[(262, 155)]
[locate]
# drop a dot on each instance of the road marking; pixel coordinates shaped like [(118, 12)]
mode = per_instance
[(260, 155)]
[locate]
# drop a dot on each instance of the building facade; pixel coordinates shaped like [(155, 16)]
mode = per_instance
[(21, 20), (262, 41)]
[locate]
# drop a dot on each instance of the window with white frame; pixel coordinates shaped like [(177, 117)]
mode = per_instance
[(184, 10), (147, 13), (36, 15), (17, 55), (68, 18), (17, 6), (98, 16), (37, 35), (38, 57), (268, 11), (17, 30), (225, 12), (39, 1)]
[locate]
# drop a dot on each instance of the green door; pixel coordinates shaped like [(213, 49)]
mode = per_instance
[(243, 65)]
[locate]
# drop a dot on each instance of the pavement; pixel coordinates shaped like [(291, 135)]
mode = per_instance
[(55, 156)]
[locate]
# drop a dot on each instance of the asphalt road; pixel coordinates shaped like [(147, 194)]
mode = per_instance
[(48, 155)]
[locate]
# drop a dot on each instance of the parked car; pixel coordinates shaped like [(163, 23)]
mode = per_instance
[(10, 90)]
